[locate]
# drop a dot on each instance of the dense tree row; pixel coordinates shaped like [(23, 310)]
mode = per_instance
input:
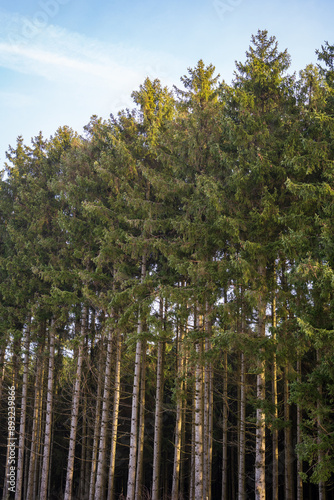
[(167, 288)]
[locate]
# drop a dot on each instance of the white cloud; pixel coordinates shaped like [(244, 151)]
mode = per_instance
[(59, 77)]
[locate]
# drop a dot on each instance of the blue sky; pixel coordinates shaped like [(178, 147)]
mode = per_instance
[(62, 61)]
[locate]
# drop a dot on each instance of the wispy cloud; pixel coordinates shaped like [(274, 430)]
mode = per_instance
[(53, 53), (60, 77)]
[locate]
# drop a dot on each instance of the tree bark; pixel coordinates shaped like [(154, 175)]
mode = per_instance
[(198, 425), (101, 461), (97, 421), (288, 451), (208, 402), (322, 486), (131, 486), (75, 408), (48, 419), (158, 414), (22, 432), (242, 430), (260, 445), (274, 400), (117, 393), (299, 435), (225, 417)]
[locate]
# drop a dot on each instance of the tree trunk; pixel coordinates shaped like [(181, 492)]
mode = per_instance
[(288, 451), (97, 421), (22, 433), (117, 393), (75, 409), (322, 486), (158, 415), (198, 425), (131, 486), (208, 402), (141, 430), (48, 419), (274, 400), (299, 436), (101, 461), (260, 445), (242, 430), (225, 416)]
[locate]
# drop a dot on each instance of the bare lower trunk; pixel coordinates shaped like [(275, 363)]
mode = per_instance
[(225, 416), (179, 425), (35, 426), (242, 430), (134, 422), (48, 419), (75, 409), (299, 437), (117, 393), (141, 430), (207, 416), (275, 415), (198, 426), (22, 433), (131, 486), (101, 461), (288, 451), (158, 421), (95, 449), (322, 486), (260, 445)]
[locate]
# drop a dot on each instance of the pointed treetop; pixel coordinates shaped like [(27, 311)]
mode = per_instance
[(264, 62), (201, 84)]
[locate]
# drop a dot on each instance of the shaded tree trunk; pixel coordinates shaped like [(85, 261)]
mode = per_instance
[(260, 444), (299, 436), (198, 425), (274, 400), (242, 430), (48, 419), (131, 486), (225, 417), (158, 415), (101, 460), (22, 432), (117, 394), (288, 450), (75, 409)]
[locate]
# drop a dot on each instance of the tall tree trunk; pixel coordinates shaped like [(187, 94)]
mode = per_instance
[(141, 430), (22, 432), (101, 461), (158, 413), (260, 444), (274, 400), (131, 486), (225, 417), (180, 414), (208, 402), (117, 394), (75, 409), (82, 490), (97, 421), (322, 486), (242, 430), (198, 424), (299, 435), (48, 419), (35, 425), (288, 451)]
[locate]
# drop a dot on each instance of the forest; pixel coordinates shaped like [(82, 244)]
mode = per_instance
[(167, 293)]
